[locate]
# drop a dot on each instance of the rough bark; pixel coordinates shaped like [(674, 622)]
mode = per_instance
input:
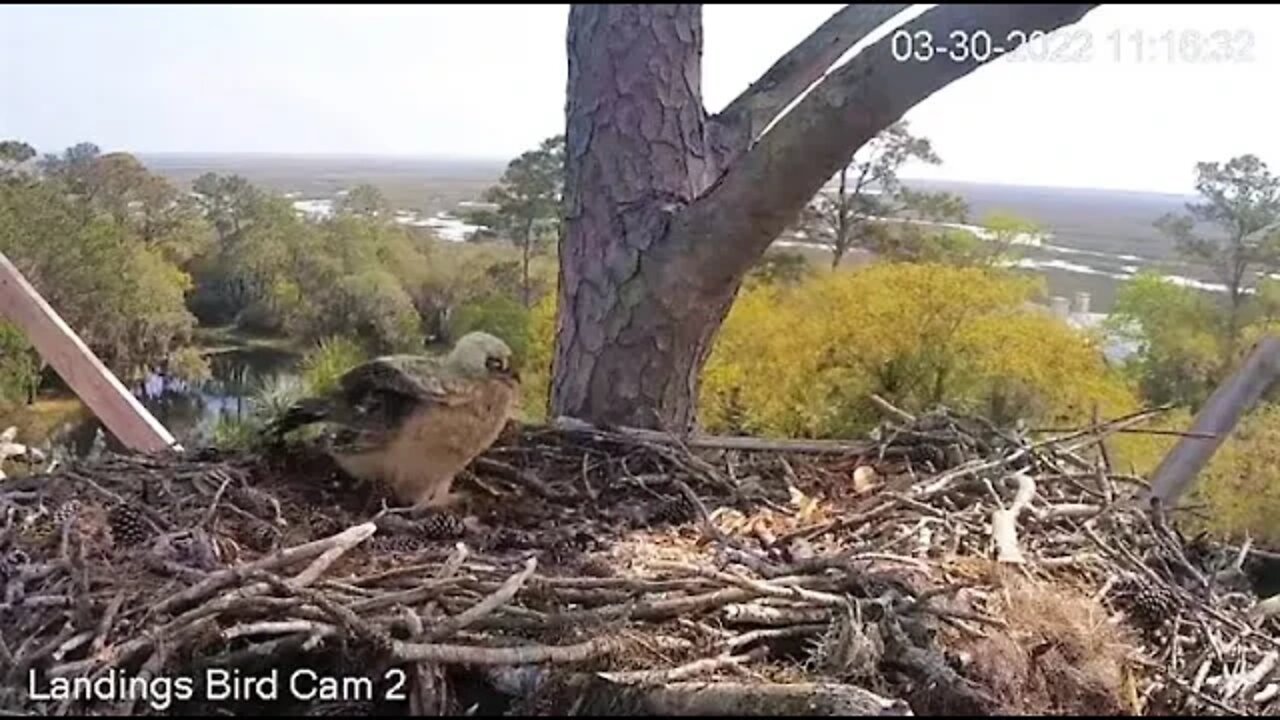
[(745, 119), (666, 208), (636, 147)]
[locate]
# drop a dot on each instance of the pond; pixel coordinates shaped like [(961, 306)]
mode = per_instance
[(190, 411)]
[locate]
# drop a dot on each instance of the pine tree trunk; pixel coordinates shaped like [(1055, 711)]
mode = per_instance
[(632, 335), (667, 208), (842, 220)]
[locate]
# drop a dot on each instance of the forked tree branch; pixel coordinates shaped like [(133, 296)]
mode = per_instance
[(733, 223), (745, 119)]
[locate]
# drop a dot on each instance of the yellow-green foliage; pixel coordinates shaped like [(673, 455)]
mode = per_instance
[(1241, 486), (458, 273), (327, 361), (536, 370), (190, 364), (1179, 335), (496, 315), (235, 434), (38, 421), (1139, 454), (802, 361), (19, 368)]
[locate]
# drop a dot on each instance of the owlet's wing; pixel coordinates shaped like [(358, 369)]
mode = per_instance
[(377, 398)]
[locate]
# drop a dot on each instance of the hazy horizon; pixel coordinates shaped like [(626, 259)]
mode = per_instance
[(423, 81), (497, 164)]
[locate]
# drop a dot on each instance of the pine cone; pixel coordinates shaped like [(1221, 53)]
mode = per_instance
[(261, 537), (595, 566), (509, 539), (128, 527), (323, 526), (254, 500), (674, 511), (11, 564), (1157, 603), (560, 549), (67, 511), (40, 531), (396, 544), (1149, 605), (441, 526), (584, 541)]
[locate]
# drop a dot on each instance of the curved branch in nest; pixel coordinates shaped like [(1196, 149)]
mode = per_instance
[(520, 655), (596, 695), (329, 549)]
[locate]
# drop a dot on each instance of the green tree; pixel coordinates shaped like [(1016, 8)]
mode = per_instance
[(19, 367), (365, 200), (992, 243), (528, 200), (257, 238), (169, 221), (782, 268), (112, 182), (16, 151), (228, 202), (372, 306), (74, 169), (14, 154), (459, 274), (487, 220), (1242, 203), (868, 191), (352, 275), (125, 299), (1175, 332)]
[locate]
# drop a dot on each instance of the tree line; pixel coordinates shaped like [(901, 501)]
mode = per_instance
[(137, 264)]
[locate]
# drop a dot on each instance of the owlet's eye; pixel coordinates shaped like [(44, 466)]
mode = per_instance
[(495, 363)]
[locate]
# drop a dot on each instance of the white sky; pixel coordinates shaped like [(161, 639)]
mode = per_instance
[(489, 80)]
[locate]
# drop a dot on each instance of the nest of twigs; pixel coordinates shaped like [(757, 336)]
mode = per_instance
[(946, 567)]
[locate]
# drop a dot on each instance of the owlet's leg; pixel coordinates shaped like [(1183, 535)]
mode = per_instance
[(435, 498)]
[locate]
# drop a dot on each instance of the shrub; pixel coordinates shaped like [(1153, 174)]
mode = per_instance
[(19, 366), (327, 361), (496, 315), (803, 361)]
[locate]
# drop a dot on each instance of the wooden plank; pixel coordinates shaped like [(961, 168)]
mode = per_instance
[(60, 346), (1213, 424)]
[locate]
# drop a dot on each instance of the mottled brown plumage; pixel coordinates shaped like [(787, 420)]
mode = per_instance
[(412, 423)]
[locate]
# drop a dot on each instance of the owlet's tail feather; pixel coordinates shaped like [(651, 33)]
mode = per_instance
[(303, 412)]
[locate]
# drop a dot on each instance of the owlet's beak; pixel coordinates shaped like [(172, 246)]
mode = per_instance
[(503, 368)]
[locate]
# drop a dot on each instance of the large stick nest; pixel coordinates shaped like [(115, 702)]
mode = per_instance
[(947, 567)]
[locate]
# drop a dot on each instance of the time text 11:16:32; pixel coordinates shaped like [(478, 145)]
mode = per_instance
[(1076, 45)]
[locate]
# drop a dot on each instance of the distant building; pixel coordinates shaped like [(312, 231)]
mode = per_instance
[(314, 209), (1076, 314)]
